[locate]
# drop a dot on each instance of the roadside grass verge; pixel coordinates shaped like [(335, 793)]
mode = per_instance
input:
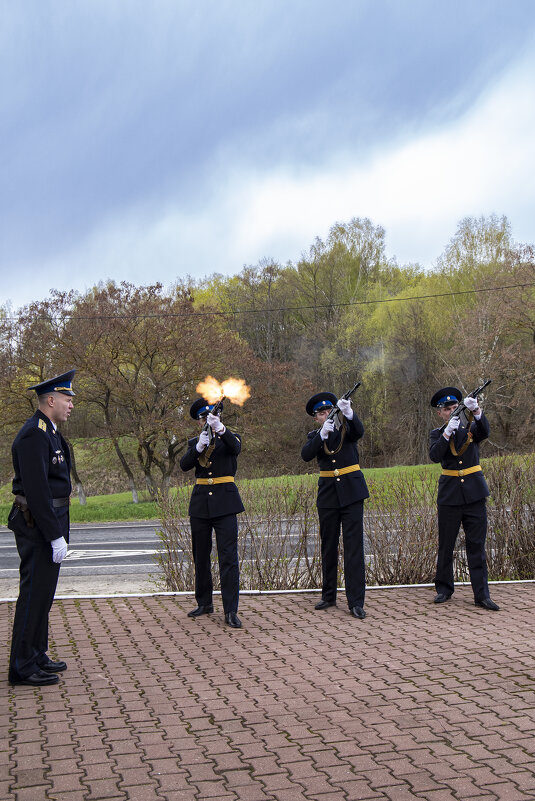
[(120, 507)]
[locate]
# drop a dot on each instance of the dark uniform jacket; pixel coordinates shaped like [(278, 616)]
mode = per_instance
[(460, 490), (337, 492), (42, 465), (215, 500)]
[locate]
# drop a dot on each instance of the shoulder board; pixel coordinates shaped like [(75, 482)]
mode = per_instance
[(42, 425)]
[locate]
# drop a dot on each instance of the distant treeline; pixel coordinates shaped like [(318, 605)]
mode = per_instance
[(344, 311)]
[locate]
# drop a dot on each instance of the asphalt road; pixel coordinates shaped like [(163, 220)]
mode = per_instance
[(105, 558)]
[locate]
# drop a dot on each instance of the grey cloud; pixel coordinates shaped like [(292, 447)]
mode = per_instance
[(108, 105)]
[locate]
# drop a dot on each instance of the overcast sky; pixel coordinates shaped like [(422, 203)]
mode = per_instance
[(149, 141)]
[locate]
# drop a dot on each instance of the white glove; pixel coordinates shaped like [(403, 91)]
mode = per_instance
[(471, 403), (204, 441), (452, 426), (59, 550), (326, 429), (345, 407), (215, 423)]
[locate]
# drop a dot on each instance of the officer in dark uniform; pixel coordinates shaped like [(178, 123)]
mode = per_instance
[(39, 519), (215, 502), (341, 493), (462, 493)]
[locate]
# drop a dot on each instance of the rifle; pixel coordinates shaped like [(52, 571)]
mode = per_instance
[(332, 414), (204, 457), (461, 406), (334, 411)]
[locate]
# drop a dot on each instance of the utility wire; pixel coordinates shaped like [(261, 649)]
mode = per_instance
[(310, 307)]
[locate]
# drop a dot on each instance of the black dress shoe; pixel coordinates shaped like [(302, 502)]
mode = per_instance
[(37, 679), (441, 598), (54, 667), (357, 611), (201, 610), (486, 603), (323, 604), (233, 620)]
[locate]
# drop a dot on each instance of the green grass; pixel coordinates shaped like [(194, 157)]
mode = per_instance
[(119, 506)]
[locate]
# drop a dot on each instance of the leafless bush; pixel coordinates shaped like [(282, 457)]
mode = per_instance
[(280, 549), (511, 542), (278, 541), (401, 529), (174, 556)]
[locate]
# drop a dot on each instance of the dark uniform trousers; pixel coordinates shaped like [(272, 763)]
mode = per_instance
[(473, 517), (351, 519), (461, 500), (214, 507), (226, 532), (38, 581), (340, 502)]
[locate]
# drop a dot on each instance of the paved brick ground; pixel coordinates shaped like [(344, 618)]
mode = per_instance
[(415, 702)]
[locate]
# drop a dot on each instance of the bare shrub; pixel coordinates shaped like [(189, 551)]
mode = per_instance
[(278, 539), (510, 545), (174, 556), (280, 549), (401, 529), (511, 541)]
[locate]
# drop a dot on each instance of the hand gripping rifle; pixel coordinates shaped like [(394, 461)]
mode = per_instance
[(204, 457), (461, 407), (332, 414)]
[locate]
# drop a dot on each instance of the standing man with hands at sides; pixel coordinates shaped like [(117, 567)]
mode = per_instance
[(215, 503), (39, 519), (340, 501), (462, 493)]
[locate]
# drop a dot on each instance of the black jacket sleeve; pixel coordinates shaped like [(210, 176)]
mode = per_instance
[(33, 461)]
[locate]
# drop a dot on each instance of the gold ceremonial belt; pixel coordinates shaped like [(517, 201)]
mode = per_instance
[(218, 480), (341, 472), (462, 473)]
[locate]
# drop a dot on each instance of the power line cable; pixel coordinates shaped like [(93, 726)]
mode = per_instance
[(310, 307)]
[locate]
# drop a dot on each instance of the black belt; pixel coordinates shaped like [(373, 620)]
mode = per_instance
[(20, 500), (60, 502)]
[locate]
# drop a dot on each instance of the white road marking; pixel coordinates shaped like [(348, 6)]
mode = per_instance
[(106, 554)]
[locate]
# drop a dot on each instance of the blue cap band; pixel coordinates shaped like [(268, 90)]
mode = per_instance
[(324, 404)]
